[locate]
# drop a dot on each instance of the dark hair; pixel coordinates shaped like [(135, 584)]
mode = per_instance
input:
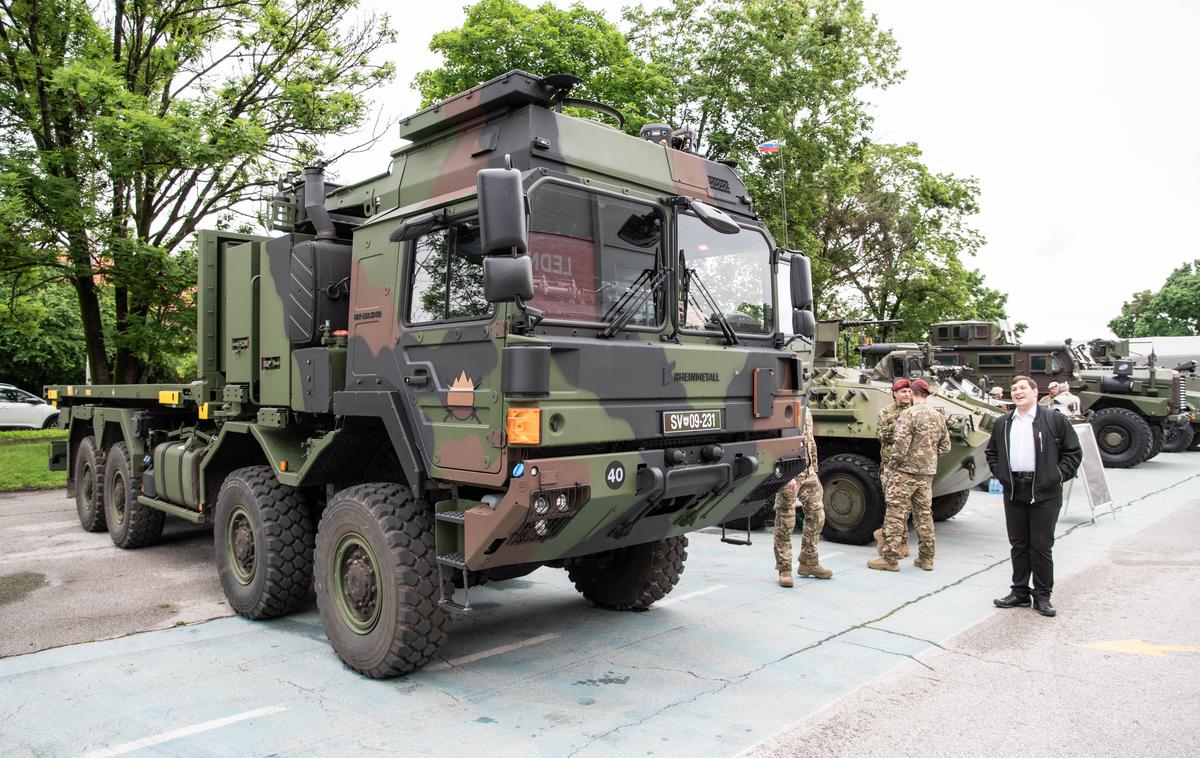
[(1027, 379)]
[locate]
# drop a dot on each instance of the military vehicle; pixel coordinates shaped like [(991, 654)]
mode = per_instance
[(1130, 408), (1187, 436), (845, 404), (534, 341)]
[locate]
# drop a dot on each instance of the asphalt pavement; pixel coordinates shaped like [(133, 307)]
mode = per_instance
[(869, 663)]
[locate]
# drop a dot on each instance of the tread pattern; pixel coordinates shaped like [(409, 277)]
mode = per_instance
[(1179, 439), (288, 541), (414, 620), (91, 519), (143, 526), (948, 506), (1142, 438), (647, 574)]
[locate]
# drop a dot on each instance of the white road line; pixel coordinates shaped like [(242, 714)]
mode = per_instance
[(463, 660), (41, 526), (689, 596), (187, 731)]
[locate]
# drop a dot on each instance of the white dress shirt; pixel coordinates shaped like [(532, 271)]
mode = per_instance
[(1021, 446)]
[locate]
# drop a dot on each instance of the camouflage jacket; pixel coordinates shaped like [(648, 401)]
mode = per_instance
[(1045, 400), (921, 436), (885, 429)]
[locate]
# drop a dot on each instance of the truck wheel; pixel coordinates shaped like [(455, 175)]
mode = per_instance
[(854, 504), (1123, 436), (1157, 440), (89, 486), (130, 524), (263, 539), (1195, 438), (377, 580), (948, 506), (1179, 438), (630, 578)]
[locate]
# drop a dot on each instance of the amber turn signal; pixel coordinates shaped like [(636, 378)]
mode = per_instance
[(524, 426)]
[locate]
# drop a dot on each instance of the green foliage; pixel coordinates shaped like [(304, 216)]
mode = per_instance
[(501, 35), (1172, 311), (41, 337), (123, 128)]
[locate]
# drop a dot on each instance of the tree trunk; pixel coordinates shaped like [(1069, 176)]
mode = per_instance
[(93, 329)]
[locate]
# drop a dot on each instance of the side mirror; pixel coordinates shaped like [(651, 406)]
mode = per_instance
[(804, 323), (506, 279), (713, 218), (502, 225), (801, 272), (417, 225)]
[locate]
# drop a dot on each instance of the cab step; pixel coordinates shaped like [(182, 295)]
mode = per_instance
[(453, 562), (451, 517)]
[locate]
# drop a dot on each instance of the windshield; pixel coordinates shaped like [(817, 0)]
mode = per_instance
[(588, 251), (736, 271)]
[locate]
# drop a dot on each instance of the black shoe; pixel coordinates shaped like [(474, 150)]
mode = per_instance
[(1011, 600), (1042, 606)]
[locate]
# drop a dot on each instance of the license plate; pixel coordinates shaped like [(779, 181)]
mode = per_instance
[(685, 422)]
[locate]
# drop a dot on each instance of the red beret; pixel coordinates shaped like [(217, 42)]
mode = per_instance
[(919, 384), (899, 384)]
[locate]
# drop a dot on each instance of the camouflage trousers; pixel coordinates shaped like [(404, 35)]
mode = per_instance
[(887, 477), (812, 505), (910, 493)]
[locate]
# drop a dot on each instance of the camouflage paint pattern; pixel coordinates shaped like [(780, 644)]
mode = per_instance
[(913, 495)]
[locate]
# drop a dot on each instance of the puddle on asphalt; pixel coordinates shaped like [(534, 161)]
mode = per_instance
[(14, 587)]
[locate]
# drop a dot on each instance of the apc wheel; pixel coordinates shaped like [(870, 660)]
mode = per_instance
[(130, 524), (630, 578), (854, 503), (263, 541), (377, 580), (1157, 439), (1123, 436), (948, 506), (89, 486), (1179, 438)]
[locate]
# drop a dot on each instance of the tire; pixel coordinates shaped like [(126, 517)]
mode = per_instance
[(1179, 439), (376, 579), (946, 507), (1157, 440), (630, 578), (89, 486), (51, 422), (1124, 438), (130, 524), (854, 503), (1195, 438), (263, 540)]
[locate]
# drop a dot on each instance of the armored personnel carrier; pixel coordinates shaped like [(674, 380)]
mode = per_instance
[(845, 404), (534, 341), (1129, 407)]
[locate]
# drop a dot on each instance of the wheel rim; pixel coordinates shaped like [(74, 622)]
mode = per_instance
[(845, 501), (87, 488), (239, 544), (1114, 439), (117, 493), (356, 583)]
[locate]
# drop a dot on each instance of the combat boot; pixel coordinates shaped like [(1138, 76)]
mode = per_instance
[(785, 579), (815, 570), (925, 564), (883, 564)]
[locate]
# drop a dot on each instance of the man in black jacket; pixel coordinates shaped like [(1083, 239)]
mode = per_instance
[(1033, 450)]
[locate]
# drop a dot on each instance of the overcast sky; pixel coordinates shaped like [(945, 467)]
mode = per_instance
[(1080, 120)]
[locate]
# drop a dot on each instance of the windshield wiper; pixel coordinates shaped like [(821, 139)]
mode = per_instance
[(693, 277), (647, 285)]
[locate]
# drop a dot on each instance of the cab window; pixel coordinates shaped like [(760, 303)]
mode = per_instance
[(995, 360), (447, 275)]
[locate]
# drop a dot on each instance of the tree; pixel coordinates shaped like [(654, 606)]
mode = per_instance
[(501, 35), (1172, 311), (123, 129)]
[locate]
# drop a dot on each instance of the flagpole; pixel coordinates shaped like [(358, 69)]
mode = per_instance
[(783, 195)]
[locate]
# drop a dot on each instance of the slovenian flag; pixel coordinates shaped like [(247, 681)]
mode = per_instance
[(771, 146)]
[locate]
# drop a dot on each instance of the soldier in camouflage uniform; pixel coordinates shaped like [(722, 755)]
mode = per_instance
[(807, 489), (886, 431), (1047, 401), (921, 436)]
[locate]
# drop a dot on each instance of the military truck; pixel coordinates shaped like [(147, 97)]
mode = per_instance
[(534, 341), (845, 404), (1130, 408)]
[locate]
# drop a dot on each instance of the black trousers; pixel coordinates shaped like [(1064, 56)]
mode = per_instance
[(1031, 535)]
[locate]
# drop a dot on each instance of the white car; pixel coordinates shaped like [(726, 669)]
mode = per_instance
[(19, 409)]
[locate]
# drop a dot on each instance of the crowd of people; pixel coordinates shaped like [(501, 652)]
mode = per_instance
[(1033, 450)]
